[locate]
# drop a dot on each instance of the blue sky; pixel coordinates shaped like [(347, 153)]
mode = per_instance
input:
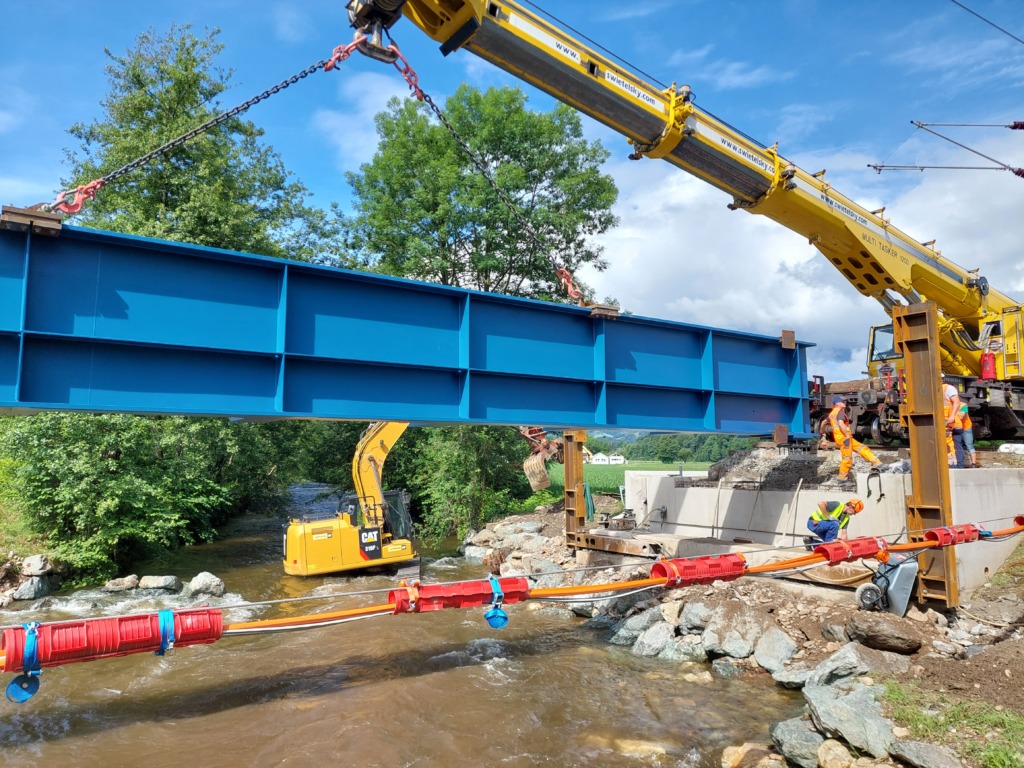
[(836, 84)]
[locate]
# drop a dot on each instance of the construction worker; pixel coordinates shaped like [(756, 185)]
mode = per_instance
[(841, 433), (951, 406), (830, 520), (966, 438)]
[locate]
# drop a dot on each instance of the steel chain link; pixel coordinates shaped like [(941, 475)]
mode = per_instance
[(175, 143)]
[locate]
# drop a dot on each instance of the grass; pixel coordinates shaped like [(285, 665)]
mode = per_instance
[(1012, 571), (15, 535), (602, 478), (988, 736)]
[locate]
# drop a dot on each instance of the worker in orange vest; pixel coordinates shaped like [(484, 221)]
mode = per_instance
[(965, 440), (841, 433), (951, 406)]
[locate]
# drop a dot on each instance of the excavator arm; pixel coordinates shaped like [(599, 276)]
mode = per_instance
[(367, 465), (877, 259)]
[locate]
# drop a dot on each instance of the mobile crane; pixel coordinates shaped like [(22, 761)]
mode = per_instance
[(372, 527), (980, 327)]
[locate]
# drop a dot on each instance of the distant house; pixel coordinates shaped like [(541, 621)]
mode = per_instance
[(616, 458), (600, 458)]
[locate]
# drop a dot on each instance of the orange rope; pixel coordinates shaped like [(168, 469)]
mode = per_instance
[(317, 618)]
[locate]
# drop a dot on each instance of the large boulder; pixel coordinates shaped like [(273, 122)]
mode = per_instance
[(797, 740), (854, 717), (204, 583), (36, 565), (628, 630), (774, 649), (652, 641), (124, 584), (166, 583), (883, 632), (854, 660), (734, 629), (33, 588)]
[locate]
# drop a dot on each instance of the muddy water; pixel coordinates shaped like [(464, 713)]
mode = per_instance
[(438, 689)]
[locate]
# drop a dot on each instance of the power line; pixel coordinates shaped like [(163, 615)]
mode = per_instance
[(991, 24)]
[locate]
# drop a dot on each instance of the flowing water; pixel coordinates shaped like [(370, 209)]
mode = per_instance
[(435, 689)]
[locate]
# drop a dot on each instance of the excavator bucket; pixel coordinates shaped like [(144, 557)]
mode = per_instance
[(537, 472)]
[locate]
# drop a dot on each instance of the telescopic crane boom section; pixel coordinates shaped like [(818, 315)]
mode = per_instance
[(877, 259)]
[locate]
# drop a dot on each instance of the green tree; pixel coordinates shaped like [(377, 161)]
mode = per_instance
[(105, 491), (423, 209), (223, 188), (106, 488), (466, 477)]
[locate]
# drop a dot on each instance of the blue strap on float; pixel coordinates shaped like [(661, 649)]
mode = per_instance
[(166, 631), (495, 616), (24, 686)]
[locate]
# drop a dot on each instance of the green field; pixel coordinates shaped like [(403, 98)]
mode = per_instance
[(606, 478)]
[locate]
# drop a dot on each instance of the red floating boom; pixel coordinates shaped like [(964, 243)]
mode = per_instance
[(840, 551), (90, 639), (954, 534), (464, 594), (699, 570)]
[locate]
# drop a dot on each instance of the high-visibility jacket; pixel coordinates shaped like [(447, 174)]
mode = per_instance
[(834, 510), (833, 418), (965, 419), (949, 393)]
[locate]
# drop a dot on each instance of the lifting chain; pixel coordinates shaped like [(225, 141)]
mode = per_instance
[(71, 201)]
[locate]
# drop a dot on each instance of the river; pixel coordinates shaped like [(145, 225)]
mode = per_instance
[(434, 689)]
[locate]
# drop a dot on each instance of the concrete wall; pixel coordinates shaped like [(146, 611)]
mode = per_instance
[(990, 498), (987, 497)]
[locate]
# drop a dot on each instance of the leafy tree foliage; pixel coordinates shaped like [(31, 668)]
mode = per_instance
[(423, 210), (223, 188), (673, 448), (107, 490), (104, 489), (466, 478)]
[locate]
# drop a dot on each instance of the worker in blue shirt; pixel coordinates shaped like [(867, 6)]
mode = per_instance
[(830, 520)]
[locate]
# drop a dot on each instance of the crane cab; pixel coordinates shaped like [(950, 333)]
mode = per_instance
[(321, 543)]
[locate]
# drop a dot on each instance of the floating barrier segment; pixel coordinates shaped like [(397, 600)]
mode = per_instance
[(31, 647)]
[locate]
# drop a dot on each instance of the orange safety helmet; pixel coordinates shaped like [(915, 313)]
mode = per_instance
[(856, 504)]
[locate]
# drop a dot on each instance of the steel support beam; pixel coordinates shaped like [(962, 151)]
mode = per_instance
[(917, 338), (101, 322)]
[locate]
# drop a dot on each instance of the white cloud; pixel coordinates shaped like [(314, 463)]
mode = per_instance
[(291, 25), (22, 192), (351, 132), (680, 254)]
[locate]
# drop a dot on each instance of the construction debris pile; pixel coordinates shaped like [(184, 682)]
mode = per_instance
[(774, 468)]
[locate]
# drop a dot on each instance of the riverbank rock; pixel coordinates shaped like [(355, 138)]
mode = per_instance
[(166, 583), (805, 636), (204, 583), (123, 584)]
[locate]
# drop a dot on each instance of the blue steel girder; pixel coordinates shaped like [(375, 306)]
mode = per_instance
[(101, 322)]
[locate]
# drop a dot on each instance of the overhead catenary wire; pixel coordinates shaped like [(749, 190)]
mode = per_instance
[(990, 23)]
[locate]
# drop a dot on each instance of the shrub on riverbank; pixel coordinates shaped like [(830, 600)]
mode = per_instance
[(104, 490)]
